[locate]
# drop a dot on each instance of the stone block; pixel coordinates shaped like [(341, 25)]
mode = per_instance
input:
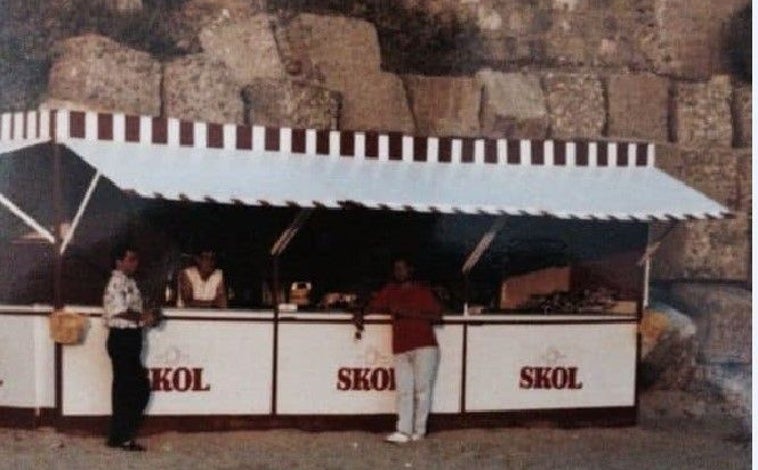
[(668, 348), (723, 316), (702, 113), (690, 36), (282, 103), (513, 106), (745, 181), (638, 106), (742, 113), (247, 47), (704, 250), (197, 88), (102, 74), (376, 102), (342, 54), (444, 106), (186, 23), (576, 105), (334, 48), (23, 83), (711, 170)]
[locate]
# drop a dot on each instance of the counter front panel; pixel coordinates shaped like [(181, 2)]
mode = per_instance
[(196, 367), (324, 370), (27, 365), (543, 366)]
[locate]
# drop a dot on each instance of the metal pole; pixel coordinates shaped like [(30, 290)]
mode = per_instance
[(57, 201), (275, 296), (58, 228)]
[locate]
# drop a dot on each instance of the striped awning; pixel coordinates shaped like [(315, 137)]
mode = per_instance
[(180, 160)]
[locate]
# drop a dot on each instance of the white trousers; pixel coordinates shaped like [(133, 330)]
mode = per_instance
[(415, 372)]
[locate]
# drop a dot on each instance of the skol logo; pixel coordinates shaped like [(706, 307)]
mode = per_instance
[(548, 378), (365, 378), (180, 379)]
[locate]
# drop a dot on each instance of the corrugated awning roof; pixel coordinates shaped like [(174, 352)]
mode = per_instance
[(172, 159)]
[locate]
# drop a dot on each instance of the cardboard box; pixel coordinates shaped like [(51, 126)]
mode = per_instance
[(516, 291), (624, 307)]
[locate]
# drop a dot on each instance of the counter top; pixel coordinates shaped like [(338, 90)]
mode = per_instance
[(330, 316)]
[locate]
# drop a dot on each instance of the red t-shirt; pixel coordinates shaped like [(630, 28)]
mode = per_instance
[(405, 300)]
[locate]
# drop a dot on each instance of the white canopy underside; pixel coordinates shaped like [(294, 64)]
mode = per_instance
[(279, 179)]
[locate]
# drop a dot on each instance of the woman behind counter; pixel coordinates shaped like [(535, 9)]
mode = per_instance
[(202, 285)]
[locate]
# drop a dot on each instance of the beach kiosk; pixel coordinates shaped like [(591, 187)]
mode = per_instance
[(544, 246)]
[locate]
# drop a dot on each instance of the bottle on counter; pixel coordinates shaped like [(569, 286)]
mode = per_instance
[(170, 291)]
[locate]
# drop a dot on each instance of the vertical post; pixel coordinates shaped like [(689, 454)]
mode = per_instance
[(57, 196), (275, 296), (464, 348), (58, 227)]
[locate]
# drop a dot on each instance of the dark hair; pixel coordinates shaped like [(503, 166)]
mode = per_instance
[(119, 251), (205, 246), (404, 257)]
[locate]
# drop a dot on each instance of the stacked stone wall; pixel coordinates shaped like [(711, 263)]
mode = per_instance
[(567, 69)]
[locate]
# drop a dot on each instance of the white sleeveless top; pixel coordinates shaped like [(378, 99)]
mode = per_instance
[(202, 289)]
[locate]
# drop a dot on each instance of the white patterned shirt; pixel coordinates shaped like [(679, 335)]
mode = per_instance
[(121, 294)]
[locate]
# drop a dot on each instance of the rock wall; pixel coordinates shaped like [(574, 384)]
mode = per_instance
[(722, 315), (678, 38), (650, 69)]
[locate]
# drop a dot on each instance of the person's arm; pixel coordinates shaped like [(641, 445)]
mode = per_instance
[(220, 301), (185, 289)]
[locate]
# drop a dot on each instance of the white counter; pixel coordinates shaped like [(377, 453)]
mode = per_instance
[(212, 362)]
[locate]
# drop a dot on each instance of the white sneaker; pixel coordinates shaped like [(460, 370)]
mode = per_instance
[(417, 437), (397, 437)]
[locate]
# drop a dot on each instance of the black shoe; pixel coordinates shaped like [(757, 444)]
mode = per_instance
[(130, 446)]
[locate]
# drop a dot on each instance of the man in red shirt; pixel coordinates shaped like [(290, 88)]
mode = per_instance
[(414, 308)]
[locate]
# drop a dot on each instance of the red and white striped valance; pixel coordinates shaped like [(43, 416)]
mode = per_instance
[(64, 125)]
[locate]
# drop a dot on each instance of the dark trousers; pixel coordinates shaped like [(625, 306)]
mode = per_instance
[(130, 391)]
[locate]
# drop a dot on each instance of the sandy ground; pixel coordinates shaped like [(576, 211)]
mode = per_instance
[(661, 440)]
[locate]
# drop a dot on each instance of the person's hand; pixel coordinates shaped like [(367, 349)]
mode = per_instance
[(149, 317)]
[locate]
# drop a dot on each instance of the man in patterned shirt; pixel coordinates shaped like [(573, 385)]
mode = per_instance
[(124, 316)]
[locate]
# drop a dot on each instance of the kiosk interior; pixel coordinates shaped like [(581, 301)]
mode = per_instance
[(539, 250)]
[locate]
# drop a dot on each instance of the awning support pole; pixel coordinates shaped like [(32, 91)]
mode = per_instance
[(279, 246), (58, 267), (653, 247), (27, 219), (483, 244), (644, 260), (58, 221), (289, 233), (80, 212)]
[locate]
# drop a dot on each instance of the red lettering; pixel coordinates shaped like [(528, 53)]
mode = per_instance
[(559, 378), (542, 379), (182, 379), (197, 380), (526, 378), (380, 379), (160, 379), (573, 373), (343, 378), (548, 378), (361, 378), (365, 378)]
